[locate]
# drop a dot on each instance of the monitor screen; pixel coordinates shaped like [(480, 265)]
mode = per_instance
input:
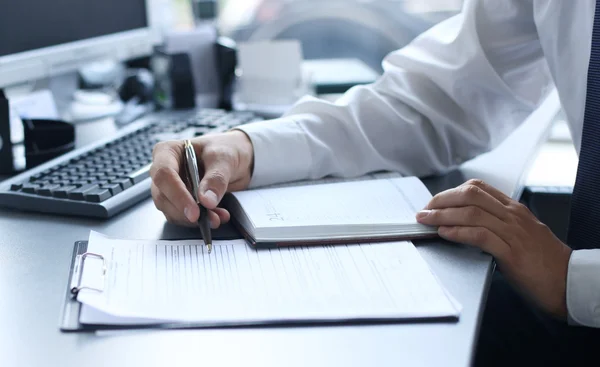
[(27, 25)]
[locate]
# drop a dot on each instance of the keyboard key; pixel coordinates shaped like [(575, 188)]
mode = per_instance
[(79, 194), (97, 195), (46, 190), (67, 171), (16, 187), (81, 182), (30, 188), (114, 188), (55, 178), (125, 183), (43, 182), (63, 192), (140, 175), (36, 177)]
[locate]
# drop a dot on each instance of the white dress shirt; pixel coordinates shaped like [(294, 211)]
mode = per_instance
[(455, 92)]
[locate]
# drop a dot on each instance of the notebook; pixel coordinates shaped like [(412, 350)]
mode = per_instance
[(341, 212), (142, 283)]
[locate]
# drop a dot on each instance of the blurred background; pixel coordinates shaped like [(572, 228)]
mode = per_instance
[(362, 29), (367, 30)]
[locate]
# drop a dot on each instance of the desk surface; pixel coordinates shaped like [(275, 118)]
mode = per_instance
[(35, 251)]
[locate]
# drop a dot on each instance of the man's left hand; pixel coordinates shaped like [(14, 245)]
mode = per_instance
[(526, 251)]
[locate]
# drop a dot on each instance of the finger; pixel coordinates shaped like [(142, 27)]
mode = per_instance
[(469, 195), (494, 192), (170, 212), (479, 237), (470, 216), (165, 175), (223, 214), (214, 219), (217, 174), (238, 185)]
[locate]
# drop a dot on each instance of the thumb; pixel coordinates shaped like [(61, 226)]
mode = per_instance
[(214, 185)]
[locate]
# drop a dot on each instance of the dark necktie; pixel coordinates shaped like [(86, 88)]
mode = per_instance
[(584, 226)]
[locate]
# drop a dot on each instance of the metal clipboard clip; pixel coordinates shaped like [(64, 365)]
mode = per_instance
[(78, 272)]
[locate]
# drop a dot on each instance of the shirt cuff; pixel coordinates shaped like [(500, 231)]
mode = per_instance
[(583, 288), (281, 151)]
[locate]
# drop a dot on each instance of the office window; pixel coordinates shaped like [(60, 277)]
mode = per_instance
[(367, 30)]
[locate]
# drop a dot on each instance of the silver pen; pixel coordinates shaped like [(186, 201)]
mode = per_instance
[(193, 175)]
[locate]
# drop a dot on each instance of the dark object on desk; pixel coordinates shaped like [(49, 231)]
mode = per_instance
[(138, 84), (112, 175), (551, 205), (226, 65), (25, 144), (46, 140), (174, 82), (195, 68), (9, 163), (137, 91)]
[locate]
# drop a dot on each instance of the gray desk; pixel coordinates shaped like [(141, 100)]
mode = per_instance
[(35, 251)]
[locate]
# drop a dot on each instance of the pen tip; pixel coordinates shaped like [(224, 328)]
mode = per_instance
[(209, 247)]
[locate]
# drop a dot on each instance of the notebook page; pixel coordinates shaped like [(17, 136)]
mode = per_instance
[(179, 281), (375, 202)]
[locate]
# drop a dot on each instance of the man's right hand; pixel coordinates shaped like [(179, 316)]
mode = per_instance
[(225, 162)]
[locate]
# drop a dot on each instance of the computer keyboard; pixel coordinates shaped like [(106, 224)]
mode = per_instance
[(111, 175)]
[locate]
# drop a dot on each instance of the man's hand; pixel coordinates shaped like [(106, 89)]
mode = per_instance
[(526, 251), (225, 161)]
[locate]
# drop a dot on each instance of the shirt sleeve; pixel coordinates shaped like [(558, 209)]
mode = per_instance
[(453, 93), (583, 288)]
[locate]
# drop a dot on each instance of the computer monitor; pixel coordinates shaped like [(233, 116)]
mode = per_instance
[(43, 38)]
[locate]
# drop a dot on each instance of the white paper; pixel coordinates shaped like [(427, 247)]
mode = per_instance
[(271, 73), (36, 105), (357, 208), (277, 60), (149, 281)]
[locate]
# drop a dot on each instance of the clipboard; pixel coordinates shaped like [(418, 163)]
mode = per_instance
[(71, 309), (69, 319)]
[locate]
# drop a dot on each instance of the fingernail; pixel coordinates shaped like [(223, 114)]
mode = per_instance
[(423, 214), (188, 213), (212, 198)]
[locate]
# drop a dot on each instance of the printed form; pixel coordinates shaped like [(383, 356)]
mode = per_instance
[(177, 281)]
